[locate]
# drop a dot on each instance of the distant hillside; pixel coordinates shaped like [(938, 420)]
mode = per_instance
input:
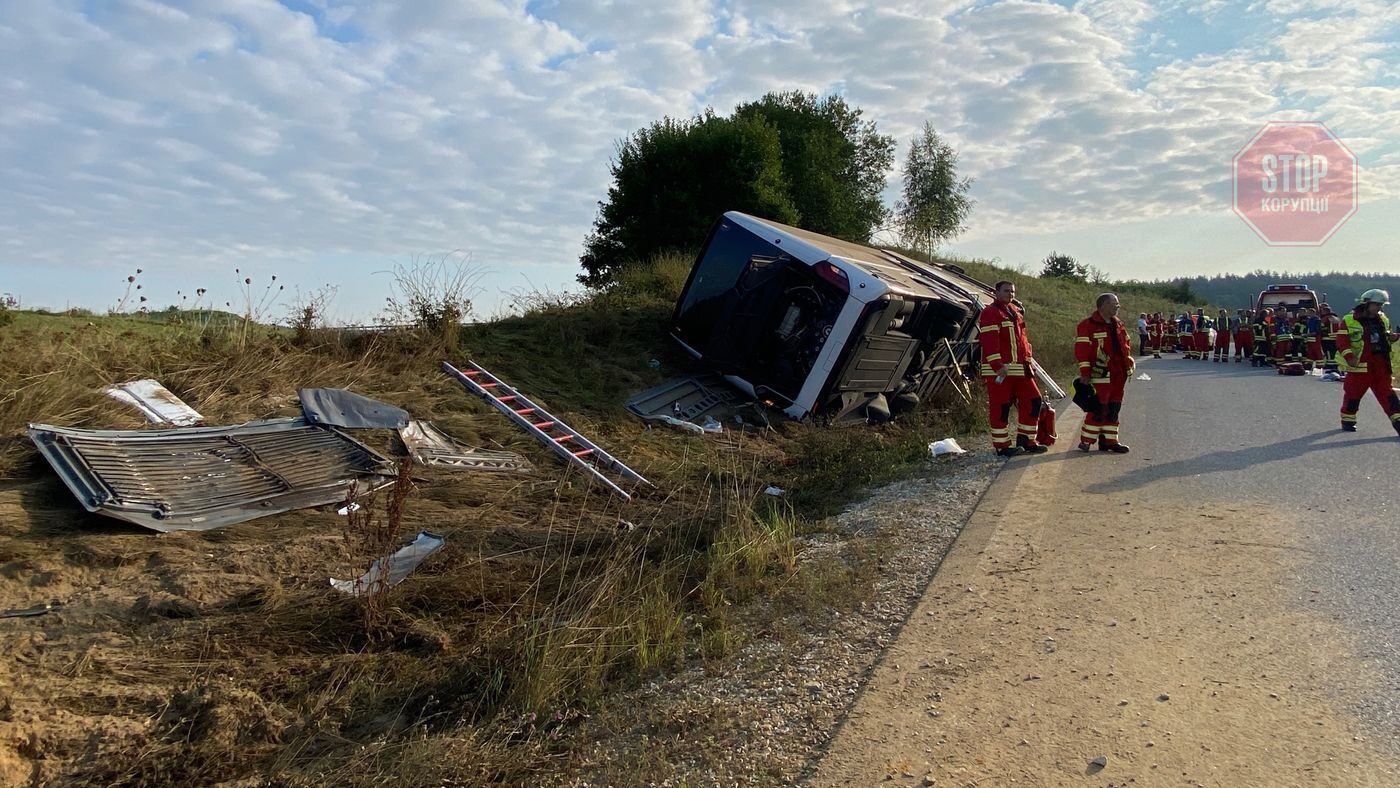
[(1341, 289)]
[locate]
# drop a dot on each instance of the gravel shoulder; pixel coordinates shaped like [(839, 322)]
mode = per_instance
[(764, 715)]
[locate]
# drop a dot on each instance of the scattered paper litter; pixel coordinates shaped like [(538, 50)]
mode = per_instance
[(348, 508), (946, 446), (1143, 376), (391, 570), (776, 492)]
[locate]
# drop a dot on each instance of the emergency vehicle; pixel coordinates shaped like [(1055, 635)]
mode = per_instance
[(1292, 298)]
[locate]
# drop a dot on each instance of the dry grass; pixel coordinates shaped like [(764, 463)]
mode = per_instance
[(199, 658), (220, 655)]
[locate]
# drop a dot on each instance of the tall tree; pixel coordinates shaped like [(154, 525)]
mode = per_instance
[(835, 163), (935, 206), (672, 179), (1062, 266)]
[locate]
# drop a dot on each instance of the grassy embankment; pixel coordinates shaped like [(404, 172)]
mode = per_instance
[(224, 654)]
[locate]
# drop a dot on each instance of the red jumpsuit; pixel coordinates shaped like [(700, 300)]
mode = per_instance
[(1200, 337), (1244, 340), (1363, 348), (1106, 358), (1006, 348), (1222, 338), (1312, 344)]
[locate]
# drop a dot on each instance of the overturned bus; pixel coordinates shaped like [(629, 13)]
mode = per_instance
[(817, 326)]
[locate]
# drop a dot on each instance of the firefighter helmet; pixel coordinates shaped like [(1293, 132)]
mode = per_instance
[(1375, 296)]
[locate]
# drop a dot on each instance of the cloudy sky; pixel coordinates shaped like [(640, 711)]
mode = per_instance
[(327, 141)]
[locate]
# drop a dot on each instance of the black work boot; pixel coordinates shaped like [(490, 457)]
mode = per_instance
[(1350, 426), (1030, 446), (1010, 451), (1116, 448)]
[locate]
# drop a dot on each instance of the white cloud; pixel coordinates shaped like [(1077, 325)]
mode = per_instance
[(196, 136)]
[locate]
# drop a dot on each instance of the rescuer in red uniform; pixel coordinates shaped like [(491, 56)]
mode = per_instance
[(1331, 324), (1200, 335), (1282, 336), (1105, 361), (1363, 352), (1006, 369), (1222, 336), (1244, 337), (1312, 338)]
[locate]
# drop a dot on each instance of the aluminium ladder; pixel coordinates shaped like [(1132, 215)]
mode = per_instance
[(519, 409)]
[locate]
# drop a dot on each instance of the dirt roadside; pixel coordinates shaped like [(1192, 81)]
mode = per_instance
[(1153, 632)]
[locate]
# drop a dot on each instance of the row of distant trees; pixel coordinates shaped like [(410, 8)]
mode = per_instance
[(1231, 290), (789, 157), (1340, 289)]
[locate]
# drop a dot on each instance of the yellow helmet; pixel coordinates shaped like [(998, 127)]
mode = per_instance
[(1374, 296)]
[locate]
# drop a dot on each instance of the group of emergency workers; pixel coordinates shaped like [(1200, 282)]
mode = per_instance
[(1267, 337), (1354, 347)]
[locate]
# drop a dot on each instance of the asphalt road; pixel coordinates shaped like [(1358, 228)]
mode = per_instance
[(1202, 430)]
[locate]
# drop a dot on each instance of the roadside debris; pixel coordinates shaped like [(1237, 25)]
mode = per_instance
[(776, 492), (696, 403), (345, 408), (198, 478), (155, 402), (31, 611), (567, 443), (345, 510), (431, 446), (392, 569), (946, 446), (1143, 376), (684, 426)]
